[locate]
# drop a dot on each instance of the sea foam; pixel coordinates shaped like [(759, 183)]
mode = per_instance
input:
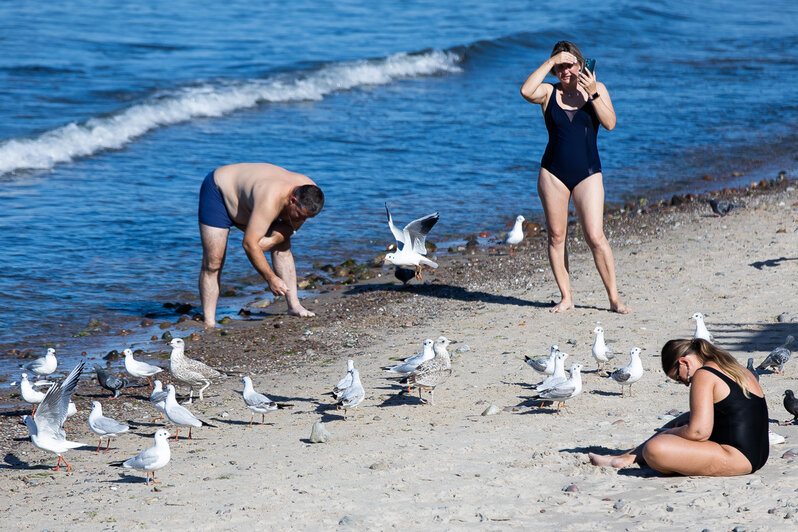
[(114, 131)]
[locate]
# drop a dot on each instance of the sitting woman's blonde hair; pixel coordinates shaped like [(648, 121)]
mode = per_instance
[(673, 350)]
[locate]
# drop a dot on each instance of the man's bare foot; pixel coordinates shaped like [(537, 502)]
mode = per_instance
[(302, 312), (562, 306), (211, 325), (620, 308), (608, 460)]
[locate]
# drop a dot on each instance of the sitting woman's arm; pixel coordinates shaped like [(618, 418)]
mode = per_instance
[(702, 413)]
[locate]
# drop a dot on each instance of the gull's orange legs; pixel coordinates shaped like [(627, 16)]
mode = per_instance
[(61, 458), (251, 420), (153, 420)]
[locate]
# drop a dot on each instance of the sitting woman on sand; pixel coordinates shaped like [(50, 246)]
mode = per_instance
[(725, 432), (573, 110)]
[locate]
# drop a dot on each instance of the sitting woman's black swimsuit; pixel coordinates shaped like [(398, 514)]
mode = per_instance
[(741, 422), (572, 153)]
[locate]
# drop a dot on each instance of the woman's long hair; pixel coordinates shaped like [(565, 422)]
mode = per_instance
[(673, 350), (568, 46)]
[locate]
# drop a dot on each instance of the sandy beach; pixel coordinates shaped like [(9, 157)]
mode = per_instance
[(401, 464)]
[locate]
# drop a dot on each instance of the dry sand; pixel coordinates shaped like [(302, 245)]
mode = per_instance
[(402, 464)]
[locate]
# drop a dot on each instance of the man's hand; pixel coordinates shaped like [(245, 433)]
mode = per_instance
[(278, 286)]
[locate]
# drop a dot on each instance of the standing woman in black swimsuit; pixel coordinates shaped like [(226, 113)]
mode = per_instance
[(573, 109), (725, 432)]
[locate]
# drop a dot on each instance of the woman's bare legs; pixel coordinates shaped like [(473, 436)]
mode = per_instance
[(555, 196), (589, 204), (669, 454)]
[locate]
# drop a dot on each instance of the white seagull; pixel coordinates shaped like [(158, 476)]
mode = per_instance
[(515, 236), (46, 427), (137, 368), (104, 426), (42, 365), (29, 393), (410, 243), (700, 328), (345, 382), (158, 399), (189, 371), (353, 395), (152, 459), (631, 373), (566, 390), (431, 373), (601, 352), (557, 376), (257, 402), (543, 365), (411, 363), (180, 415)]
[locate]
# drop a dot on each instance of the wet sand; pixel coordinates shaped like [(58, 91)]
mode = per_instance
[(402, 463)]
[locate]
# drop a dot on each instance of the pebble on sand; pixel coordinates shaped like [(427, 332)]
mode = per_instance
[(491, 410), (319, 434)]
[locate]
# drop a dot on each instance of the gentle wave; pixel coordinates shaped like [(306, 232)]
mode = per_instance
[(73, 141)]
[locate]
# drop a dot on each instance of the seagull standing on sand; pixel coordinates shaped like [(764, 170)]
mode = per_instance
[(631, 373), (778, 357), (601, 352), (345, 382), (46, 427), (180, 415), (152, 459), (43, 365), (104, 426), (188, 371), (139, 369), (112, 383), (257, 402), (557, 376), (158, 399), (431, 373), (411, 363), (566, 390), (411, 247), (353, 395), (700, 328), (516, 235), (543, 365)]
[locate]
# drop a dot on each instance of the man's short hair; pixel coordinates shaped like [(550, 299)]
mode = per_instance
[(309, 198)]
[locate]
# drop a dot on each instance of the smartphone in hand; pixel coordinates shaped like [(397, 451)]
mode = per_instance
[(590, 64)]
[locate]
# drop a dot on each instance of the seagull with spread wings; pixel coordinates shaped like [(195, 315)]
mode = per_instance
[(411, 247)]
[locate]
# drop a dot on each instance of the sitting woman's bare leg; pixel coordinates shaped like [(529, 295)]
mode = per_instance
[(669, 453)]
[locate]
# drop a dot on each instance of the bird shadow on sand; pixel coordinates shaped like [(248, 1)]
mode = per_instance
[(15, 413), (127, 479), (770, 263), (447, 291), (604, 393), (535, 405), (12, 461), (242, 422), (329, 412), (756, 339)]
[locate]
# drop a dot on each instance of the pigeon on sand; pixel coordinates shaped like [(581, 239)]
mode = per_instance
[(778, 357), (723, 207), (112, 383), (46, 427), (411, 247), (791, 405)]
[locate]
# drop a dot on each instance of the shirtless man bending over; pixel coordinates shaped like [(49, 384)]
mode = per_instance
[(269, 204)]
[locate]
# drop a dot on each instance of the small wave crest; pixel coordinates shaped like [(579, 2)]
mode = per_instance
[(114, 131)]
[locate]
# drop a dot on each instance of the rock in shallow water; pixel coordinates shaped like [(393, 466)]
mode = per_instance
[(318, 433)]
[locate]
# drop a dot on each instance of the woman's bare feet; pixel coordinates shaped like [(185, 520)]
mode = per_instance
[(608, 460), (302, 312), (562, 306), (620, 308)]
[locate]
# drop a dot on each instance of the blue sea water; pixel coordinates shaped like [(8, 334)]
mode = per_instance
[(113, 112)]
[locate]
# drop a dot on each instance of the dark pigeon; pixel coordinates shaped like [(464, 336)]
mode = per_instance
[(751, 368), (112, 383), (778, 357), (791, 404), (404, 274), (723, 207)]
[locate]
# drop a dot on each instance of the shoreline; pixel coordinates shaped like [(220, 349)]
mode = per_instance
[(447, 465), (144, 333)]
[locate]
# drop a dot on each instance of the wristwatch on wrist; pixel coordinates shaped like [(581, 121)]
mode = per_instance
[(594, 95)]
